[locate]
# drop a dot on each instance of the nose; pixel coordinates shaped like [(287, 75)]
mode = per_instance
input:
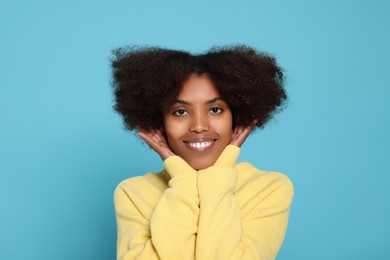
[(199, 123)]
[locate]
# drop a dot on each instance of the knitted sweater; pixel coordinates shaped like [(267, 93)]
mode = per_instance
[(226, 211)]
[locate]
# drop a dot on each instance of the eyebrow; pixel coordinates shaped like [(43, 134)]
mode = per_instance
[(182, 102)]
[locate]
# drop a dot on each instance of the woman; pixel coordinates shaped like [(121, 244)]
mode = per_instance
[(195, 112)]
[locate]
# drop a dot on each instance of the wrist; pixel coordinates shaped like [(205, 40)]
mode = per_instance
[(175, 165), (166, 155), (228, 156)]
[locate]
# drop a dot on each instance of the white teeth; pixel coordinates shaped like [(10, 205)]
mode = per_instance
[(200, 145)]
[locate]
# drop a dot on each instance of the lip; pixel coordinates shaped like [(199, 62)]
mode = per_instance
[(200, 144)]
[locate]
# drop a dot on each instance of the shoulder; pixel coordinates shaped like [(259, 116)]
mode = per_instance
[(148, 181), (130, 182), (259, 186), (141, 192), (250, 175), (127, 189)]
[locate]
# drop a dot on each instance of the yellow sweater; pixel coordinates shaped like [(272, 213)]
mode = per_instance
[(226, 211)]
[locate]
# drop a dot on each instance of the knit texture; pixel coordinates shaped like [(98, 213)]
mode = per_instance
[(226, 211)]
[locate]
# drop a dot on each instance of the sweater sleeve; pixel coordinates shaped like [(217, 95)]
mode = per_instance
[(171, 231), (223, 233)]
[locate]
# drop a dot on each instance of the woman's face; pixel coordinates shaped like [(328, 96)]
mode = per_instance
[(199, 123)]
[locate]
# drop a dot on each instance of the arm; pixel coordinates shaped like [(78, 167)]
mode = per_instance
[(223, 232), (170, 233)]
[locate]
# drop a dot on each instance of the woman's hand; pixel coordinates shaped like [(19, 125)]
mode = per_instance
[(157, 141), (240, 134)]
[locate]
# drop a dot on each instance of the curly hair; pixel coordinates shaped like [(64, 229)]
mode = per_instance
[(146, 81)]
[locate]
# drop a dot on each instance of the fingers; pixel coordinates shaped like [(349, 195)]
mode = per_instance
[(148, 140), (155, 137), (157, 141), (152, 136), (238, 130), (240, 134)]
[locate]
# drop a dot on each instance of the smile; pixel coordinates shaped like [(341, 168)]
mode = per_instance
[(200, 146)]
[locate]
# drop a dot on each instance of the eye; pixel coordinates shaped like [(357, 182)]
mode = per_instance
[(216, 110), (180, 112)]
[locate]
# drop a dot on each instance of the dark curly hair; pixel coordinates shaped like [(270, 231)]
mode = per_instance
[(146, 81)]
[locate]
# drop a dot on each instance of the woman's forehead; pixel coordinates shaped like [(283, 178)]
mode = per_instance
[(198, 88)]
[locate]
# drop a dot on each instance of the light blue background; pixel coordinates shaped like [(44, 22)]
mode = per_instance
[(63, 149)]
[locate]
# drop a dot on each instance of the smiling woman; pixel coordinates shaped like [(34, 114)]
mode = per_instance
[(198, 126), (196, 111)]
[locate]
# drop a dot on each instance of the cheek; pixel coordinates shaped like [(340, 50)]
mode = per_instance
[(173, 130), (225, 126), (228, 134)]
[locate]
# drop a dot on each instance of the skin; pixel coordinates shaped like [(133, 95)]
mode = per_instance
[(197, 127)]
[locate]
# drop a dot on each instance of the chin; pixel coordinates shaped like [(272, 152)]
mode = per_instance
[(200, 165)]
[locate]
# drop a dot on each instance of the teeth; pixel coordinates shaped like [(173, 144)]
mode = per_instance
[(200, 145)]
